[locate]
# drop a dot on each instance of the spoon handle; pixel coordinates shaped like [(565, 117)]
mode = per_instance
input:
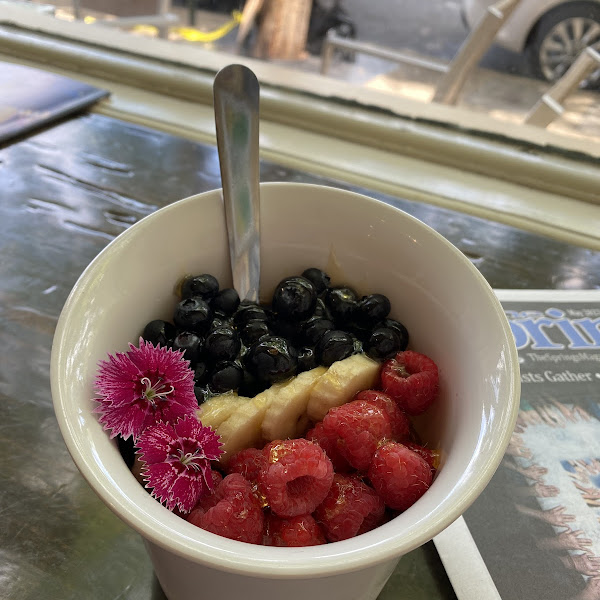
[(236, 102)]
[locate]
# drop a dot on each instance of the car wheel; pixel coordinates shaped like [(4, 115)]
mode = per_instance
[(559, 37)]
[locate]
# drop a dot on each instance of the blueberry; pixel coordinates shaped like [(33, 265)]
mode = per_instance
[(400, 330), (193, 314), (159, 332), (321, 310), (218, 321), (202, 393), (313, 329), (222, 344), (204, 286), (249, 312), (271, 359), (318, 278), (253, 330), (343, 303), (226, 301), (200, 373), (294, 298), (226, 376), (190, 343), (383, 343), (285, 328), (333, 346), (307, 359), (372, 309), (127, 450), (251, 386)]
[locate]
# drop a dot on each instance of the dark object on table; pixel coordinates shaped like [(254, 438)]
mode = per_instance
[(32, 98)]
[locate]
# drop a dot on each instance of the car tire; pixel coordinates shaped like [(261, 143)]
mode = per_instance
[(560, 35)]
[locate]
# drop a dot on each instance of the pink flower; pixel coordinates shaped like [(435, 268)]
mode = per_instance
[(143, 386), (177, 459)]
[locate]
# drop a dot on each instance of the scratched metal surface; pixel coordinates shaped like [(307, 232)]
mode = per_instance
[(64, 194)]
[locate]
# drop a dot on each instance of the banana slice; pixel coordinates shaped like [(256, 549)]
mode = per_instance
[(286, 413), (342, 381), (219, 408), (243, 429)]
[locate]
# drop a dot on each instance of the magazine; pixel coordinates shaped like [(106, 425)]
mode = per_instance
[(31, 98), (534, 533)]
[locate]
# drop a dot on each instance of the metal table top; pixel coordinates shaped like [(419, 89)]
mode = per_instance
[(64, 194)]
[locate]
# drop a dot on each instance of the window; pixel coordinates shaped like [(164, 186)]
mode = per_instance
[(402, 106)]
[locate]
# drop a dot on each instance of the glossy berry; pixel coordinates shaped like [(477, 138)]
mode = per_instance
[(127, 449), (360, 427), (431, 457), (400, 330), (222, 344), (247, 312), (306, 359), (412, 380), (231, 511), (401, 425), (399, 475), (318, 278), (383, 343), (193, 314), (297, 477), (226, 376), (159, 332), (203, 286), (201, 373), (321, 310), (342, 303), (334, 345), (271, 359), (190, 344), (291, 532), (202, 393), (248, 462), (329, 443), (350, 508), (313, 329), (294, 298), (253, 330), (372, 309), (226, 302)]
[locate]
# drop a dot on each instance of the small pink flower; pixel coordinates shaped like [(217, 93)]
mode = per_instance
[(143, 386), (176, 458)]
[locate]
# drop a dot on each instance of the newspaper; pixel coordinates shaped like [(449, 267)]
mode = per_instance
[(534, 533)]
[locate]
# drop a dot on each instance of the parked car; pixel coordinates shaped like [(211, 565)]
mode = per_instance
[(551, 33)]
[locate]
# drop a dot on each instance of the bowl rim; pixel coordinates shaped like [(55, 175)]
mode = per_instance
[(189, 542)]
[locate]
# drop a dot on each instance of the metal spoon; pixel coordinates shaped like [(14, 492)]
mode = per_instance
[(236, 102)]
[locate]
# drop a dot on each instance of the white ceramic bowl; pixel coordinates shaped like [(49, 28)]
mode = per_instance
[(450, 311)]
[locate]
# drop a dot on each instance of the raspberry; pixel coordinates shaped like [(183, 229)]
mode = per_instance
[(350, 508), (360, 426), (297, 477), (301, 530), (412, 380), (401, 426), (399, 475), (431, 457), (250, 462), (231, 511), (329, 443)]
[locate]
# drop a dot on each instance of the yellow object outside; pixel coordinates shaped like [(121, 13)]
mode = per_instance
[(192, 34)]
